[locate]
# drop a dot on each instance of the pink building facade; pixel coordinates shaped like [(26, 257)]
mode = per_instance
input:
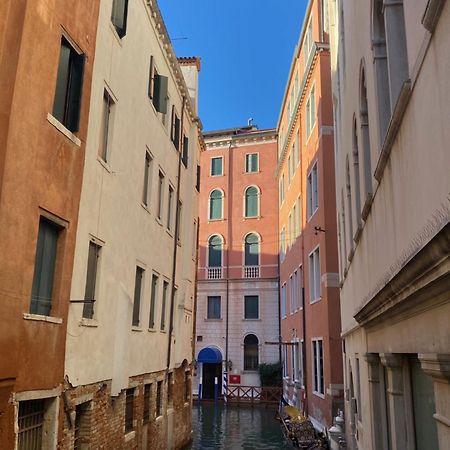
[(237, 298)]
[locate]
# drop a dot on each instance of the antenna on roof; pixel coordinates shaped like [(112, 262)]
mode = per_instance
[(250, 122)]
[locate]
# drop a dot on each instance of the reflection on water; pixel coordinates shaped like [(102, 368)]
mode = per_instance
[(233, 427)]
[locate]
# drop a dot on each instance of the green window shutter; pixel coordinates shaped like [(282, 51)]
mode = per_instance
[(251, 250), (177, 133), (160, 93), (215, 207), (185, 151), (150, 78)]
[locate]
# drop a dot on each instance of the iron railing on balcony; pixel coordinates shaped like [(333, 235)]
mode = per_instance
[(251, 271), (214, 273)]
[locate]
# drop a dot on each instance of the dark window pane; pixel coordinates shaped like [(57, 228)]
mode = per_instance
[(185, 151), (216, 166), (160, 84), (251, 307), (163, 305), (119, 16), (215, 252), (252, 250), (91, 277), (62, 81), (147, 398), (137, 296), (251, 352), (251, 202), (159, 398), (153, 301), (213, 307), (215, 205), (105, 125), (129, 407)]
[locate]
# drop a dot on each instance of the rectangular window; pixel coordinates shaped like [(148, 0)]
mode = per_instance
[(194, 241), (69, 86), (299, 217), (153, 299), (179, 219), (290, 231), (163, 305), (82, 431), (311, 111), (283, 301), (119, 16), (313, 198), (213, 307), (44, 267), (31, 424), (295, 224), (160, 194), (252, 162), (147, 400), (251, 307), (300, 286), (185, 156), (146, 192), (137, 295), (291, 294), (282, 245), (289, 170), (282, 189), (175, 133), (106, 127), (157, 89), (297, 149), (301, 368), (314, 275), (295, 289), (197, 181), (216, 166), (159, 387), (91, 279), (308, 41), (169, 208), (129, 410), (318, 379)]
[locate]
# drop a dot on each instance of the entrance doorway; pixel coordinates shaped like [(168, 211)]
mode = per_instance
[(211, 360)]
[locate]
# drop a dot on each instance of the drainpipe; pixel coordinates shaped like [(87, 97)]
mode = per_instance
[(175, 240)]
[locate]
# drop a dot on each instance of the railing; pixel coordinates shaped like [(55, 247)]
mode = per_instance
[(251, 271), (214, 273), (253, 394)]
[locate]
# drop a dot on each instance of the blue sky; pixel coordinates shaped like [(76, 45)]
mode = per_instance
[(246, 49)]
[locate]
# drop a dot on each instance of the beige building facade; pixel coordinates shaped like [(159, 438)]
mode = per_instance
[(391, 106), (129, 337)]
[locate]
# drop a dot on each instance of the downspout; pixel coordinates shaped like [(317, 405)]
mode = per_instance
[(194, 312), (175, 240)]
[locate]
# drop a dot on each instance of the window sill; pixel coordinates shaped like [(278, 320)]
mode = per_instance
[(152, 330), (216, 220), (40, 318), (322, 396), (251, 320), (91, 323), (146, 208), (252, 218), (250, 173), (104, 164), (312, 215), (169, 232), (213, 320), (114, 31), (158, 221), (62, 129), (130, 435), (136, 328), (316, 300), (218, 175)]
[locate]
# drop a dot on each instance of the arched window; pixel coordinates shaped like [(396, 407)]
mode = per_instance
[(252, 202), (215, 251), (251, 351), (215, 204), (252, 250), (356, 176)]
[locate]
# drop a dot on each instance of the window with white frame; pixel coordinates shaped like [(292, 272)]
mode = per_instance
[(282, 244), (299, 217), (291, 295), (317, 363), (282, 189), (283, 301), (313, 197), (293, 356), (285, 361), (290, 231), (308, 41), (314, 275), (301, 368), (147, 188), (300, 287), (251, 162), (295, 289), (216, 166), (311, 111), (297, 148), (289, 170), (251, 198), (215, 205), (294, 225)]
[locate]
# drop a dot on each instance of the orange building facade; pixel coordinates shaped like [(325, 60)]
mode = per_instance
[(237, 298), (47, 51), (309, 284)]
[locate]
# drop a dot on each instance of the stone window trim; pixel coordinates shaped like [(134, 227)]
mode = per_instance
[(62, 129)]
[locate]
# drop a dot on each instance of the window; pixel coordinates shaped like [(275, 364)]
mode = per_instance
[(251, 307), (147, 400), (289, 170), (282, 245), (318, 382), (311, 111), (163, 305), (215, 251), (185, 156), (31, 424), (82, 432), (295, 225), (283, 301), (299, 217), (291, 294), (159, 387), (153, 298), (175, 130), (129, 410), (69, 86), (91, 278), (290, 230), (215, 205), (194, 241), (297, 149), (314, 275), (252, 162), (44, 267), (137, 295), (252, 202), (169, 208), (160, 194), (213, 307), (300, 286), (179, 217), (281, 189), (251, 352), (308, 40), (216, 166), (119, 16), (146, 192), (197, 181), (251, 250), (157, 89), (313, 198), (106, 127), (301, 368)]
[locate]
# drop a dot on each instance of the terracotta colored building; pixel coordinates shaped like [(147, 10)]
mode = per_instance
[(237, 298), (309, 285), (47, 51)]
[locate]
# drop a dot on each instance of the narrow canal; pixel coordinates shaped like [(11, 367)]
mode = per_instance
[(235, 427)]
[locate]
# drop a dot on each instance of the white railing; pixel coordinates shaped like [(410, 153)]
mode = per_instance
[(214, 273), (251, 271)]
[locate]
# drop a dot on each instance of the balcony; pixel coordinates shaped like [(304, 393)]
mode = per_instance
[(214, 273), (251, 271)]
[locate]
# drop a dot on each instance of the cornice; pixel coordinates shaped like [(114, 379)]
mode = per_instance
[(262, 137)]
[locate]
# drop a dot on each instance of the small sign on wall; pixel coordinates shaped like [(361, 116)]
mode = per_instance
[(235, 379)]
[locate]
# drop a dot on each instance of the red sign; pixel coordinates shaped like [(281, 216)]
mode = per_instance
[(235, 379)]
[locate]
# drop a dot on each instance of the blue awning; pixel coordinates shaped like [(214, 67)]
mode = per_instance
[(209, 355)]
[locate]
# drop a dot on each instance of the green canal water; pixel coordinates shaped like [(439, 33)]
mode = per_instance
[(235, 427)]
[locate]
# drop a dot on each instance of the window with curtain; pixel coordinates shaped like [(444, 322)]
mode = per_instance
[(251, 202), (252, 250), (215, 204), (215, 251), (251, 352)]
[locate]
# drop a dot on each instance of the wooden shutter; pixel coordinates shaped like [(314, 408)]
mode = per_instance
[(150, 78), (177, 133), (75, 91), (185, 151), (172, 124), (137, 296), (160, 93), (89, 293)]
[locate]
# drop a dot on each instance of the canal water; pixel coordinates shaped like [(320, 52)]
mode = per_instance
[(219, 426)]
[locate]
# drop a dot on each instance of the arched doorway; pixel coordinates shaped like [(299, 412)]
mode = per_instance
[(211, 361)]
